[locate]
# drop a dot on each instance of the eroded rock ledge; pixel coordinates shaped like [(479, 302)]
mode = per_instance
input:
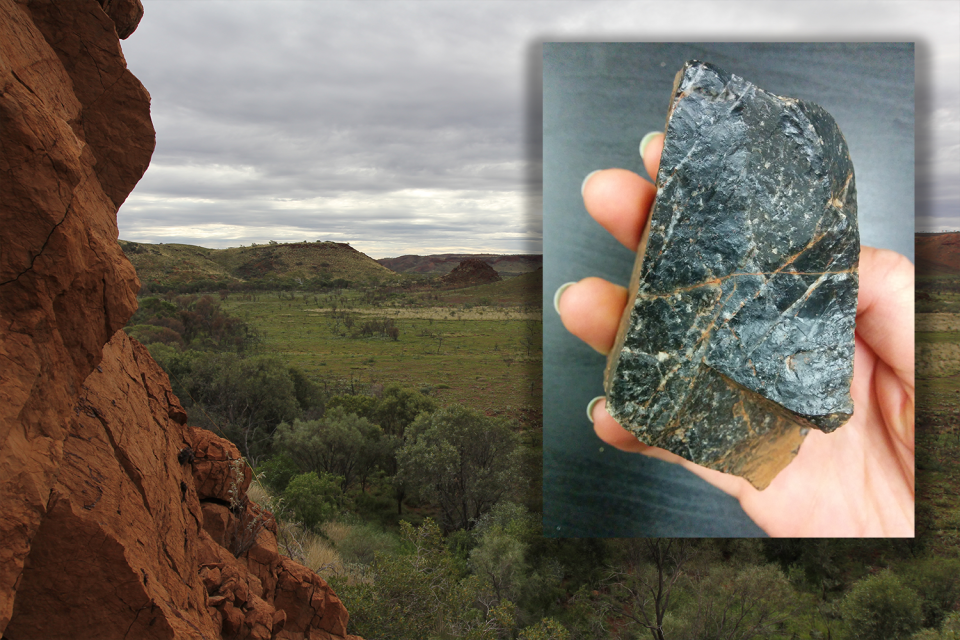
[(137, 544), (110, 528)]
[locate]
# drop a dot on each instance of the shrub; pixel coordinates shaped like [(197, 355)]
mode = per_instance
[(313, 498), (278, 471), (937, 582), (363, 543), (880, 607)]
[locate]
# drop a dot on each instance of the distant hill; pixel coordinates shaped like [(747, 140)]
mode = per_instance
[(170, 264), (507, 266), (523, 290), (938, 254)]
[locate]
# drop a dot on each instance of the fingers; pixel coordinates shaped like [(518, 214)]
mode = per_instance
[(620, 201), (651, 154), (885, 309), (610, 432), (591, 310)]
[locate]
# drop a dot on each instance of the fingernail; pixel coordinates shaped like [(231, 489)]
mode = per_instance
[(590, 407), (646, 140), (556, 296), (583, 185)]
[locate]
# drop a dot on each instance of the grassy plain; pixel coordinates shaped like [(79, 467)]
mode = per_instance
[(479, 346), (938, 406)]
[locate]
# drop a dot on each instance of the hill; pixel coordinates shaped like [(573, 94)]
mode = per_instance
[(160, 265), (938, 254), (524, 290), (507, 266)]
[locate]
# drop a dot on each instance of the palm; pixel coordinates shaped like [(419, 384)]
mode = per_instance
[(857, 481)]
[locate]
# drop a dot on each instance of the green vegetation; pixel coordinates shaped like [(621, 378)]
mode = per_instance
[(315, 266), (403, 467), (880, 607)]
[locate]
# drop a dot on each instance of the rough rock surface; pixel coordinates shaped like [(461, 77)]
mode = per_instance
[(161, 539), (76, 137), (104, 506), (469, 273), (740, 330)]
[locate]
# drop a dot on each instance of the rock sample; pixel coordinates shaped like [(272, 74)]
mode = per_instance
[(739, 333)]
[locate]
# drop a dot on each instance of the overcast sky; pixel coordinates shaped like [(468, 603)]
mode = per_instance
[(414, 127)]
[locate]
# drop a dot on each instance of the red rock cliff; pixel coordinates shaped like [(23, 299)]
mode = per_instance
[(119, 521)]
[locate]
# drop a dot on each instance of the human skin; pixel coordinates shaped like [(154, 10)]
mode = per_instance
[(855, 482)]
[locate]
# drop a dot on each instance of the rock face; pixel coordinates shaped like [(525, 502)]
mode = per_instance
[(740, 330), (119, 520), (76, 138), (151, 520), (471, 272)]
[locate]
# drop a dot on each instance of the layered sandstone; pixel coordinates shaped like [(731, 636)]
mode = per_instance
[(119, 520)]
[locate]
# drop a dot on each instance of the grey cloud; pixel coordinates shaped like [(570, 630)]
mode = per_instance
[(314, 100)]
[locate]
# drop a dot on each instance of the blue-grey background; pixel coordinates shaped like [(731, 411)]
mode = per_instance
[(599, 100)]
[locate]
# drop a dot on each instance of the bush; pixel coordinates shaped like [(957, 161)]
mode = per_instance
[(937, 582), (312, 498), (462, 461), (363, 543), (880, 607), (278, 471), (546, 629)]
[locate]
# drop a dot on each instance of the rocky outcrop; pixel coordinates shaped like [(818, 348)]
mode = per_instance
[(119, 520), (149, 533), (76, 138), (470, 273)]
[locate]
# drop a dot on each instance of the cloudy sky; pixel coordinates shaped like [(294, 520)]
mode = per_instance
[(414, 127)]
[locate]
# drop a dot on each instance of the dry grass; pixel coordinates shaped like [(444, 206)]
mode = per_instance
[(258, 493), (314, 551), (938, 322), (937, 360), (448, 313), (336, 532)]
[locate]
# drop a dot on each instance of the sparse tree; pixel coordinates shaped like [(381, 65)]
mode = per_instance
[(461, 460), (738, 603), (642, 583)]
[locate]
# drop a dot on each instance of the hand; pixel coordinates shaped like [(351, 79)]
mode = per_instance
[(857, 481)]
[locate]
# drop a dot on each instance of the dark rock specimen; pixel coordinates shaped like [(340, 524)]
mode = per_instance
[(740, 330)]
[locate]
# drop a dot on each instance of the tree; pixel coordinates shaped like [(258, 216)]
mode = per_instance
[(340, 444), (642, 581), (394, 411), (937, 582), (461, 460), (399, 407), (880, 607), (313, 498), (246, 397), (419, 593), (733, 603)]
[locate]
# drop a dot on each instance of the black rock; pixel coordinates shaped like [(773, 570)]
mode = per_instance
[(740, 330)]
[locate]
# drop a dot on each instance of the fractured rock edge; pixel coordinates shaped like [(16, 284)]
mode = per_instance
[(104, 529), (722, 420)]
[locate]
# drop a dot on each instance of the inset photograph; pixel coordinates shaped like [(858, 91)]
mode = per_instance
[(728, 248)]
